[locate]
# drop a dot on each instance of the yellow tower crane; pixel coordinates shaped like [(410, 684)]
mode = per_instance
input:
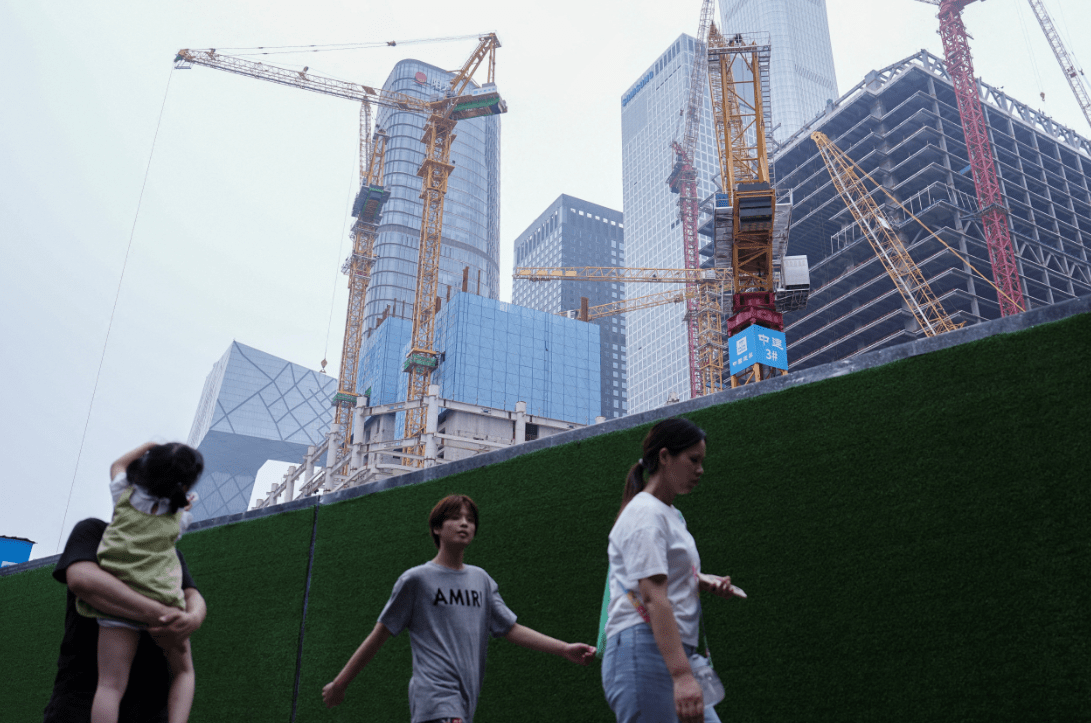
[(903, 271), (461, 101), (434, 172), (693, 290), (738, 70)]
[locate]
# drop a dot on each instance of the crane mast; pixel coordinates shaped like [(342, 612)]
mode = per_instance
[(434, 172), (738, 79), (1072, 72), (367, 209), (994, 215), (905, 273), (683, 181)]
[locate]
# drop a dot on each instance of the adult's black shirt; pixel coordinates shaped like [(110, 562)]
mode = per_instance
[(145, 699)]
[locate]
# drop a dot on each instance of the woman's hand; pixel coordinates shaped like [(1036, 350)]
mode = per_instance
[(717, 585), (689, 704)]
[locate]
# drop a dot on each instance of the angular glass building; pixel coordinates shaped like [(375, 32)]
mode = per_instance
[(255, 407), (574, 232), (657, 341), (801, 72), (902, 126), (471, 213)]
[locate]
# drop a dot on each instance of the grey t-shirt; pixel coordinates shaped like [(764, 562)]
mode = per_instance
[(450, 615)]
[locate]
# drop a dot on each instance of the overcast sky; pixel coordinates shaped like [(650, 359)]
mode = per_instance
[(242, 227)]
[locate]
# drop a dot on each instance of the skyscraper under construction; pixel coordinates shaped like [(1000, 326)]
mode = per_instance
[(902, 126), (471, 211)]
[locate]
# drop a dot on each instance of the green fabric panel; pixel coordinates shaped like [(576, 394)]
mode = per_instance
[(31, 628), (252, 576), (912, 539)]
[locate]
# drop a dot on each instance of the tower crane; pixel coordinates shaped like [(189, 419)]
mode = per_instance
[(737, 73), (1073, 73), (434, 172), (905, 273), (994, 215), (461, 101), (367, 209), (683, 181)]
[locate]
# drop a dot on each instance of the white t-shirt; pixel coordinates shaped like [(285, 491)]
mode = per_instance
[(650, 538)]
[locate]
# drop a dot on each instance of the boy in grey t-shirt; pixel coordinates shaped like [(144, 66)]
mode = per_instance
[(450, 609)]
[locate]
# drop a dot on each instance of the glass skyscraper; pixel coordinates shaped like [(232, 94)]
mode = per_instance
[(801, 73), (657, 340), (471, 212), (573, 232)]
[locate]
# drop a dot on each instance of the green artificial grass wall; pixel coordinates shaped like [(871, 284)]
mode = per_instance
[(31, 628), (912, 538), (252, 576)]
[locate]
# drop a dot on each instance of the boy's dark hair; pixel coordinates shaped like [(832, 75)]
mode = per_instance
[(167, 470), (448, 509)]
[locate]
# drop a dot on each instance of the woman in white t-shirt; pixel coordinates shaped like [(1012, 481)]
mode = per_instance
[(655, 583)]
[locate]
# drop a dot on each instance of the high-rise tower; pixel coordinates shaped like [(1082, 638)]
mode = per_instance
[(657, 341), (573, 232), (471, 211), (801, 72)]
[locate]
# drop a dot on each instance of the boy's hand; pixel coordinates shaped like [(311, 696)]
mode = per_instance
[(578, 653), (333, 694)]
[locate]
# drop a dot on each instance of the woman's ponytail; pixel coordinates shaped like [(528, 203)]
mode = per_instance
[(674, 435)]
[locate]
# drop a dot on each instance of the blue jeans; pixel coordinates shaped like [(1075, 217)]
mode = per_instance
[(638, 686)]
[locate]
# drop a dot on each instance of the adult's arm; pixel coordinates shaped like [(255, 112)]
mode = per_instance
[(578, 653), (333, 693), (106, 593), (123, 461), (179, 627), (688, 701)]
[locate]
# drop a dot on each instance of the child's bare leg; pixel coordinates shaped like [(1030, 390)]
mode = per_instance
[(183, 682), (116, 648)]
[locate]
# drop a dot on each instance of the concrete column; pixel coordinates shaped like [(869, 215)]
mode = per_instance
[(289, 485), (334, 442), (520, 423), (274, 496), (431, 423), (357, 460), (308, 462)]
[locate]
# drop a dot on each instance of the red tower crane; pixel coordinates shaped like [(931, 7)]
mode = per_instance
[(683, 181), (994, 215)]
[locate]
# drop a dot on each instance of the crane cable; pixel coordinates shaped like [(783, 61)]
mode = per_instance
[(113, 311), (1030, 51), (333, 296)]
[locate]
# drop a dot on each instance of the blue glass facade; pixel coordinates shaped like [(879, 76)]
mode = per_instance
[(471, 212), (495, 354), (574, 232)]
